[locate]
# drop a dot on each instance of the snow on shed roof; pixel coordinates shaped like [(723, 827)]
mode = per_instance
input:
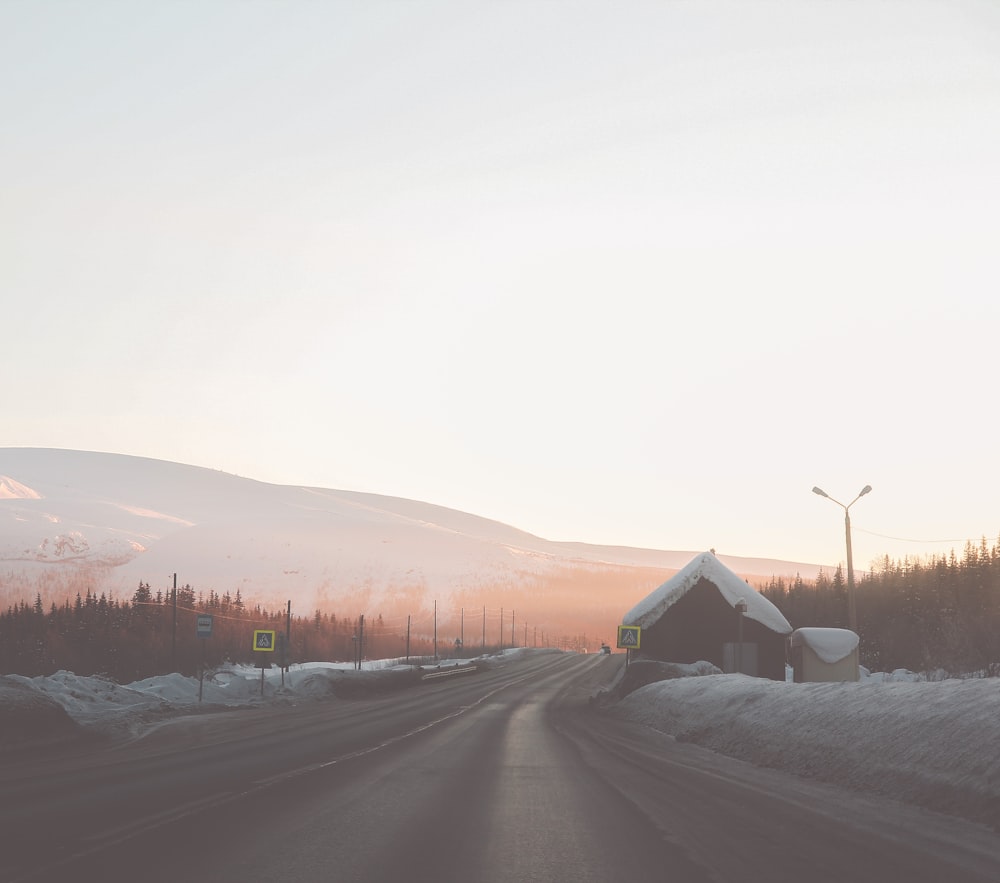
[(706, 566), (830, 645)]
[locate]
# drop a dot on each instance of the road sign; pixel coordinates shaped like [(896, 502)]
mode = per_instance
[(628, 637), (263, 640), (204, 626)]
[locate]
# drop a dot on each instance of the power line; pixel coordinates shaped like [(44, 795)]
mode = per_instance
[(247, 617), (908, 539)]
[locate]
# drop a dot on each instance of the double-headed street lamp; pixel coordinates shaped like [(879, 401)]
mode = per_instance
[(852, 613)]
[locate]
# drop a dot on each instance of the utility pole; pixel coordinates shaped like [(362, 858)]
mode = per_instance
[(435, 631), (288, 633), (173, 639), (501, 629), (407, 638)]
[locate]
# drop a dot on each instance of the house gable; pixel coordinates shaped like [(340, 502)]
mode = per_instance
[(694, 616)]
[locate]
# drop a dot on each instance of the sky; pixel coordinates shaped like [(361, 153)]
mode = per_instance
[(911, 738), (637, 274)]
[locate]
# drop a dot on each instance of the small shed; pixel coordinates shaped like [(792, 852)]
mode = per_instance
[(707, 612), (824, 655)]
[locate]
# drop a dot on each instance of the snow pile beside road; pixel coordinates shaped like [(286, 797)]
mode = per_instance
[(31, 717), (929, 743), (40, 711)]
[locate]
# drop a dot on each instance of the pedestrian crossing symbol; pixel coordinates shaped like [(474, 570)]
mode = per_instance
[(628, 637), (263, 640)]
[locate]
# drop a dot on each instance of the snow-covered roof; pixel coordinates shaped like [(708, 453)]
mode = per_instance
[(706, 566), (830, 645)]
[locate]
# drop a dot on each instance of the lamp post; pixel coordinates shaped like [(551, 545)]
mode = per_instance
[(852, 614)]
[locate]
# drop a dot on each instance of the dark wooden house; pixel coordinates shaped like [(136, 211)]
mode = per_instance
[(707, 612)]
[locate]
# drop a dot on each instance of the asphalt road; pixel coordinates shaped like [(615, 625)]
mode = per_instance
[(507, 774)]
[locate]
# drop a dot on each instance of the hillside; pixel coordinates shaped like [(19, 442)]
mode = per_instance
[(76, 520)]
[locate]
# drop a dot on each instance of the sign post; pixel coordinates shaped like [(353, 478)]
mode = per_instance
[(263, 642), (629, 638), (203, 629)]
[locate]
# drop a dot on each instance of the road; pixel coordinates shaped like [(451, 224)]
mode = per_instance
[(506, 774)]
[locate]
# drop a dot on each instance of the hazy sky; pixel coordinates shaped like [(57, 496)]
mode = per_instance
[(633, 273)]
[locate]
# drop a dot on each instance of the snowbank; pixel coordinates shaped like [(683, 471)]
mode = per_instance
[(63, 707), (927, 743)]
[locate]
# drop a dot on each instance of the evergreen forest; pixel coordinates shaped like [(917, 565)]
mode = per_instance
[(940, 614), (157, 633), (147, 635)]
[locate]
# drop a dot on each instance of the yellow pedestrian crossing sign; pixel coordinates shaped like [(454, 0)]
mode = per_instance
[(263, 640), (628, 637)]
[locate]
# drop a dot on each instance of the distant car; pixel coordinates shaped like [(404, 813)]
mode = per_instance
[(605, 649)]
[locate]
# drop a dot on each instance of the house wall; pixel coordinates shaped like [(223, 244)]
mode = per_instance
[(700, 623)]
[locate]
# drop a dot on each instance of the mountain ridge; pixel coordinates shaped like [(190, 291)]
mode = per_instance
[(116, 520)]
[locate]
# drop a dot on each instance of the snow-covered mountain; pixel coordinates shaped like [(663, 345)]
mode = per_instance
[(115, 520)]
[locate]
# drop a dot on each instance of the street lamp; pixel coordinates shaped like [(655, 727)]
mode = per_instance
[(852, 614)]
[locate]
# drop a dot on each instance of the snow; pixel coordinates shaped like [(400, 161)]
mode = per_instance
[(902, 735), (14, 490), (100, 705), (928, 743), (734, 589), (113, 521), (830, 645)]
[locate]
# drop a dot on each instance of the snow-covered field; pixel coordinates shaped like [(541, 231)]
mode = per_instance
[(930, 743)]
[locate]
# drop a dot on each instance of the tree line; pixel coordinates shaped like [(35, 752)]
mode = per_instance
[(941, 612), (936, 613), (150, 634)]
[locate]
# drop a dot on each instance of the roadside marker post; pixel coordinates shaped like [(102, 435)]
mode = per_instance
[(203, 629), (263, 642), (629, 638)]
